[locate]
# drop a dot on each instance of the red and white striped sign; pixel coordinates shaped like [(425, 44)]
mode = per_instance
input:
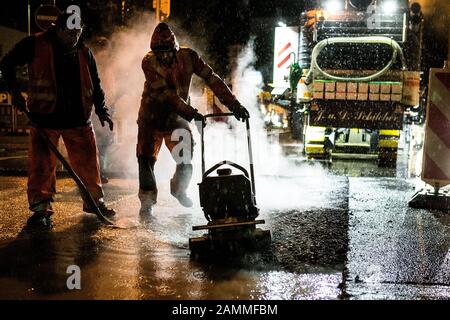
[(286, 43), (436, 156)]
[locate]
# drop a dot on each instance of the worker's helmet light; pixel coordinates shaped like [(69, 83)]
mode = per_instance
[(333, 6), (389, 6)]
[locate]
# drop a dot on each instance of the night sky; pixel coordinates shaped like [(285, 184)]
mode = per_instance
[(219, 23)]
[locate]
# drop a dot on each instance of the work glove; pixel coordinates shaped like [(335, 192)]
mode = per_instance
[(18, 101), (105, 117), (240, 112), (198, 117)]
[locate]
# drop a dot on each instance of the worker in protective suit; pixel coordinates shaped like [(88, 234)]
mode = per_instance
[(63, 85), (165, 112)]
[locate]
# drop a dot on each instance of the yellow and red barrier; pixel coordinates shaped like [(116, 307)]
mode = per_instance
[(436, 150)]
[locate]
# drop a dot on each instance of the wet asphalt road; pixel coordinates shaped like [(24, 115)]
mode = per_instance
[(342, 231), (150, 259), (409, 248)]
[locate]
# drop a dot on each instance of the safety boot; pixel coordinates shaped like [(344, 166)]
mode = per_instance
[(180, 182), (148, 200), (41, 219), (180, 195), (107, 212)]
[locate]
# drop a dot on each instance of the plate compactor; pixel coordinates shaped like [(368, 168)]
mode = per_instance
[(229, 205)]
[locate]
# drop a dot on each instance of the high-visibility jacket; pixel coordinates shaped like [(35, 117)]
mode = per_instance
[(166, 89), (42, 91)]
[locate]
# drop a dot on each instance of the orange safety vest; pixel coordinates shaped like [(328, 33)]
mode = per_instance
[(42, 88)]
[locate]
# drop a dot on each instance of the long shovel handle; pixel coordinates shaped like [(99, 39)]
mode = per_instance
[(85, 193)]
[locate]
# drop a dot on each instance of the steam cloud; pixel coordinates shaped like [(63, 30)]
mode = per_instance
[(223, 140)]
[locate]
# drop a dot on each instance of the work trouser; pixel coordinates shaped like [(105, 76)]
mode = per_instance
[(180, 144), (83, 157)]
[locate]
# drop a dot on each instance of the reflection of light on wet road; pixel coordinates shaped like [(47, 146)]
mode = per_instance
[(280, 285), (289, 192), (150, 259)]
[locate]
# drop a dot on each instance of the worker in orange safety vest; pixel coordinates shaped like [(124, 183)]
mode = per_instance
[(63, 86)]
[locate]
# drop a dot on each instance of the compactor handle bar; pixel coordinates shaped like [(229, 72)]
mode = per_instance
[(249, 144)]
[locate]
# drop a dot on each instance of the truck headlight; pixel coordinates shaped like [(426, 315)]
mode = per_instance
[(333, 6)]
